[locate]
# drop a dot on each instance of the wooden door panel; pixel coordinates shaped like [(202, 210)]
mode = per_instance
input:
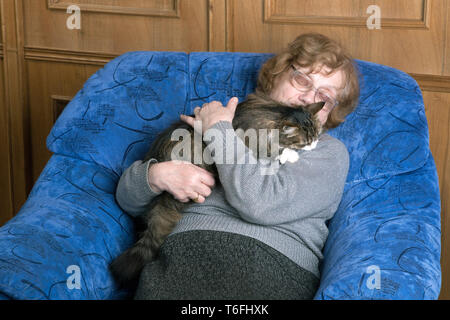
[(119, 26), (346, 11), (437, 106), (411, 40), (13, 120), (164, 8), (447, 42), (6, 204)]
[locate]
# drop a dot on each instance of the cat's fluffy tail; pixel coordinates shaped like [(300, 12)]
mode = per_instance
[(127, 267)]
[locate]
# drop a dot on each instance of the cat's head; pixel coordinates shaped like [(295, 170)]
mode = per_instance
[(301, 127)]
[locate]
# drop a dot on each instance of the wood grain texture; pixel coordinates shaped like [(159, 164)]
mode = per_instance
[(446, 64), (155, 8), (6, 197), (68, 56), (437, 106), (432, 83), (118, 33), (217, 25), (406, 14), (402, 48), (15, 102), (59, 103)]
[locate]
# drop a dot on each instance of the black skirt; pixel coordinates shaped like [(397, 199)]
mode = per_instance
[(203, 265)]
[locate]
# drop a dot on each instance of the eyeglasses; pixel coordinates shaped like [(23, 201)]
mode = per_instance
[(303, 83)]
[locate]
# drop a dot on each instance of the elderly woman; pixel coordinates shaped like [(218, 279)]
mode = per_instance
[(253, 236)]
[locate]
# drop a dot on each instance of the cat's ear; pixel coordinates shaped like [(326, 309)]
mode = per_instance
[(315, 107)]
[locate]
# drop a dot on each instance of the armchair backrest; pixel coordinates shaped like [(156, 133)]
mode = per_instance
[(115, 117), (121, 108)]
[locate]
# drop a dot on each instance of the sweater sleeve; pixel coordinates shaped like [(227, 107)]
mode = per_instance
[(304, 189), (133, 193)]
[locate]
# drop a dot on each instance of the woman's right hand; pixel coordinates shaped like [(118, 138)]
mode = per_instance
[(182, 179)]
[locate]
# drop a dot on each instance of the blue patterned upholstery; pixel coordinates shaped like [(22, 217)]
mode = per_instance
[(389, 217)]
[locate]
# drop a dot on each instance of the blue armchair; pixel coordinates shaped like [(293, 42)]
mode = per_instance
[(384, 240)]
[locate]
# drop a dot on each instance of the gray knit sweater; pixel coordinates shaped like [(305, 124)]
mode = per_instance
[(286, 210)]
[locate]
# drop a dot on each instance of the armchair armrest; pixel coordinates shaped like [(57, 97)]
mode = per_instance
[(384, 241), (60, 243)]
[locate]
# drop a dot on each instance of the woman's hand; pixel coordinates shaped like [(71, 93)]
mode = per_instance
[(211, 113), (183, 180)]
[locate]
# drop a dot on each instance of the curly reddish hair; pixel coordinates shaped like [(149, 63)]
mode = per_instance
[(313, 51)]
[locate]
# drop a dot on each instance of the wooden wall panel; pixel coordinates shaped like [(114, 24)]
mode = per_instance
[(14, 99), (50, 91), (399, 9), (437, 106), (6, 205), (446, 67), (158, 8), (104, 32), (395, 14), (399, 44)]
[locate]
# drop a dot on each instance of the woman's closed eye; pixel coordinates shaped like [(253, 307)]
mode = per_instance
[(302, 81), (323, 96)]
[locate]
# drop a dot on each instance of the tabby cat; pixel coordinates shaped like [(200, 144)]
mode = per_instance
[(298, 127)]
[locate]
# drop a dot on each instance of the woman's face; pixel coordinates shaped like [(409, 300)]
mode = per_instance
[(284, 90)]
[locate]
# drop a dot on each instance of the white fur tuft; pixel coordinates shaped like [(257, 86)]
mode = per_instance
[(311, 146), (288, 155)]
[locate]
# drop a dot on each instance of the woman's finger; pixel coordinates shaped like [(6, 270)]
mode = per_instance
[(198, 198), (208, 179), (187, 119), (232, 104)]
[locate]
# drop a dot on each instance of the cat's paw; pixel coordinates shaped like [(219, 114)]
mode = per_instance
[(288, 155)]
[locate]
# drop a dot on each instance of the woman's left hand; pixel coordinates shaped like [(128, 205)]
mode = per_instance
[(211, 113)]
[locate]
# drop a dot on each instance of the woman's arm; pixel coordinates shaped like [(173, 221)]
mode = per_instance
[(134, 193), (143, 181), (293, 191)]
